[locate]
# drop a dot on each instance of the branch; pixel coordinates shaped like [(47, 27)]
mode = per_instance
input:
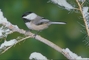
[(83, 15)]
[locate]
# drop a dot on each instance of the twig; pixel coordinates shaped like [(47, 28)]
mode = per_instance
[(15, 43), (83, 3), (85, 21), (49, 43)]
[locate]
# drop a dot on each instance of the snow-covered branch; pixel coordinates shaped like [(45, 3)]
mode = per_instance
[(64, 4), (85, 14), (66, 52), (73, 56)]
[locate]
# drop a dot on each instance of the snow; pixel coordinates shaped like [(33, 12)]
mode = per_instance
[(63, 3), (73, 55), (37, 56), (8, 43)]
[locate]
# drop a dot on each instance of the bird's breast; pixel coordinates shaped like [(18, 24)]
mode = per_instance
[(36, 27)]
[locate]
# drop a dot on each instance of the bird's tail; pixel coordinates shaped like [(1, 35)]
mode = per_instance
[(57, 23)]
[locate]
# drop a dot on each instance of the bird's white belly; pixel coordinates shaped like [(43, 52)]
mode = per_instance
[(36, 27)]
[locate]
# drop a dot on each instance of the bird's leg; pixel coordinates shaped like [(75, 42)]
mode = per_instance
[(36, 33), (28, 30)]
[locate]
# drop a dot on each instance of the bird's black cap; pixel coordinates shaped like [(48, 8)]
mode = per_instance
[(25, 14)]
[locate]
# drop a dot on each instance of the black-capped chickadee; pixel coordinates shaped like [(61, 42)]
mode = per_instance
[(35, 22)]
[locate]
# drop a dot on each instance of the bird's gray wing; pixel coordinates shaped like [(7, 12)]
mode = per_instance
[(42, 21), (37, 19)]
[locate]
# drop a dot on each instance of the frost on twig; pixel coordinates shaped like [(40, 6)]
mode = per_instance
[(7, 44), (4, 31), (73, 56), (84, 11), (63, 3), (81, 0), (37, 56), (86, 14)]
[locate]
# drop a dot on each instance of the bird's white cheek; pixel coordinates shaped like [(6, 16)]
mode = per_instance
[(31, 16), (28, 24)]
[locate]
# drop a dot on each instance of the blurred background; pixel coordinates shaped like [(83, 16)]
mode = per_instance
[(72, 35)]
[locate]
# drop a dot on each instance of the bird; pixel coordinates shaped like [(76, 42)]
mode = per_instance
[(36, 22)]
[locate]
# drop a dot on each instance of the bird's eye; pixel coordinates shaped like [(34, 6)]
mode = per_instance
[(43, 18), (26, 20)]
